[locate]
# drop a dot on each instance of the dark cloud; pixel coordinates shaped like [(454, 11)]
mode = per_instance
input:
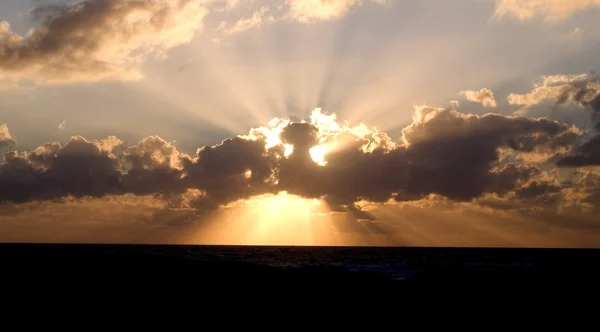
[(443, 152), (235, 169), (44, 11), (80, 168), (152, 166), (589, 152)]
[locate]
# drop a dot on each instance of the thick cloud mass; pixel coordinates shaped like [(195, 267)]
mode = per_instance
[(97, 39), (443, 152)]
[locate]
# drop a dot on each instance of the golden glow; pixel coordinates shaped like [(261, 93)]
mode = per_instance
[(288, 150), (326, 125), (248, 174), (282, 203), (328, 134), (269, 219), (317, 154)]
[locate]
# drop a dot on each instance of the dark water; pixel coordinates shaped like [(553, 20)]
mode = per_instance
[(398, 263)]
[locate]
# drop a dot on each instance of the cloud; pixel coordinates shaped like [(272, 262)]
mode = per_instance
[(97, 39), (308, 10), (301, 11), (585, 155), (6, 139), (485, 97), (552, 10), (580, 90), (466, 167), (256, 21), (109, 219), (577, 32), (62, 125), (321, 10), (443, 152), (145, 219)]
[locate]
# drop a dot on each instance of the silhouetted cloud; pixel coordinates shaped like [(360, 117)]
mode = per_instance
[(587, 154), (443, 152)]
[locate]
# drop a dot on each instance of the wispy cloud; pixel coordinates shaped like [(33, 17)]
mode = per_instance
[(552, 10), (315, 10), (258, 19)]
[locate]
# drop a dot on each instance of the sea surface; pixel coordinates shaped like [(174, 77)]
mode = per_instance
[(395, 263)]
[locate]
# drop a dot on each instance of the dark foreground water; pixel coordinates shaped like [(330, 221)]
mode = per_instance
[(160, 264)]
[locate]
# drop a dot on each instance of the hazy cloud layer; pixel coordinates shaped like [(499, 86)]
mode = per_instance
[(548, 9), (109, 219), (97, 39), (485, 97), (143, 219)]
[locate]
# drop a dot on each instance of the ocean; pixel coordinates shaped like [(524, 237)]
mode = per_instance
[(376, 263)]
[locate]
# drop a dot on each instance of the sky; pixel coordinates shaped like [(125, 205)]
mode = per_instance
[(309, 122)]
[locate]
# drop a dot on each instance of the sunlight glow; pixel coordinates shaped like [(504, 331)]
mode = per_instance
[(283, 203), (269, 219), (317, 154), (328, 134), (288, 150)]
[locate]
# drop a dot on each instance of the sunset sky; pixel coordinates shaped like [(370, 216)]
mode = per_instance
[(308, 122)]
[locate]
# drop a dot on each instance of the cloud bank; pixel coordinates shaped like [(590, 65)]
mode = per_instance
[(461, 157)]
